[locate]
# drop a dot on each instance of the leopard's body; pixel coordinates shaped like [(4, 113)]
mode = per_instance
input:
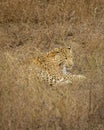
[(54, 67)]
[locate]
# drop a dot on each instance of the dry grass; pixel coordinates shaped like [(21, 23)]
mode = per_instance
[(49, 11), (28, 28)]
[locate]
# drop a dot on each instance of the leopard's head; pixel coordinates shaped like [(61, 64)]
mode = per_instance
[(62, 57)]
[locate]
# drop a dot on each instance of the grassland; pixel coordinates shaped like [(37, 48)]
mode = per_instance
[(28, 28)]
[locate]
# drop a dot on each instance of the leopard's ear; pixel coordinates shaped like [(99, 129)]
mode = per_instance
[(53, 52)]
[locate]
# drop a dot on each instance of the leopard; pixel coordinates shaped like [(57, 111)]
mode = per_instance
[(54, 67)]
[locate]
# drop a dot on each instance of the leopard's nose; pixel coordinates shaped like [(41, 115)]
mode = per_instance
[(69, 66), (69, 62)]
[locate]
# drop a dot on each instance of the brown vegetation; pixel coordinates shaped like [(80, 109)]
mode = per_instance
[(31, 27)]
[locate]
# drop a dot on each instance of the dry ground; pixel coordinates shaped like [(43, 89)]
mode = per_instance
[(28, 28)]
